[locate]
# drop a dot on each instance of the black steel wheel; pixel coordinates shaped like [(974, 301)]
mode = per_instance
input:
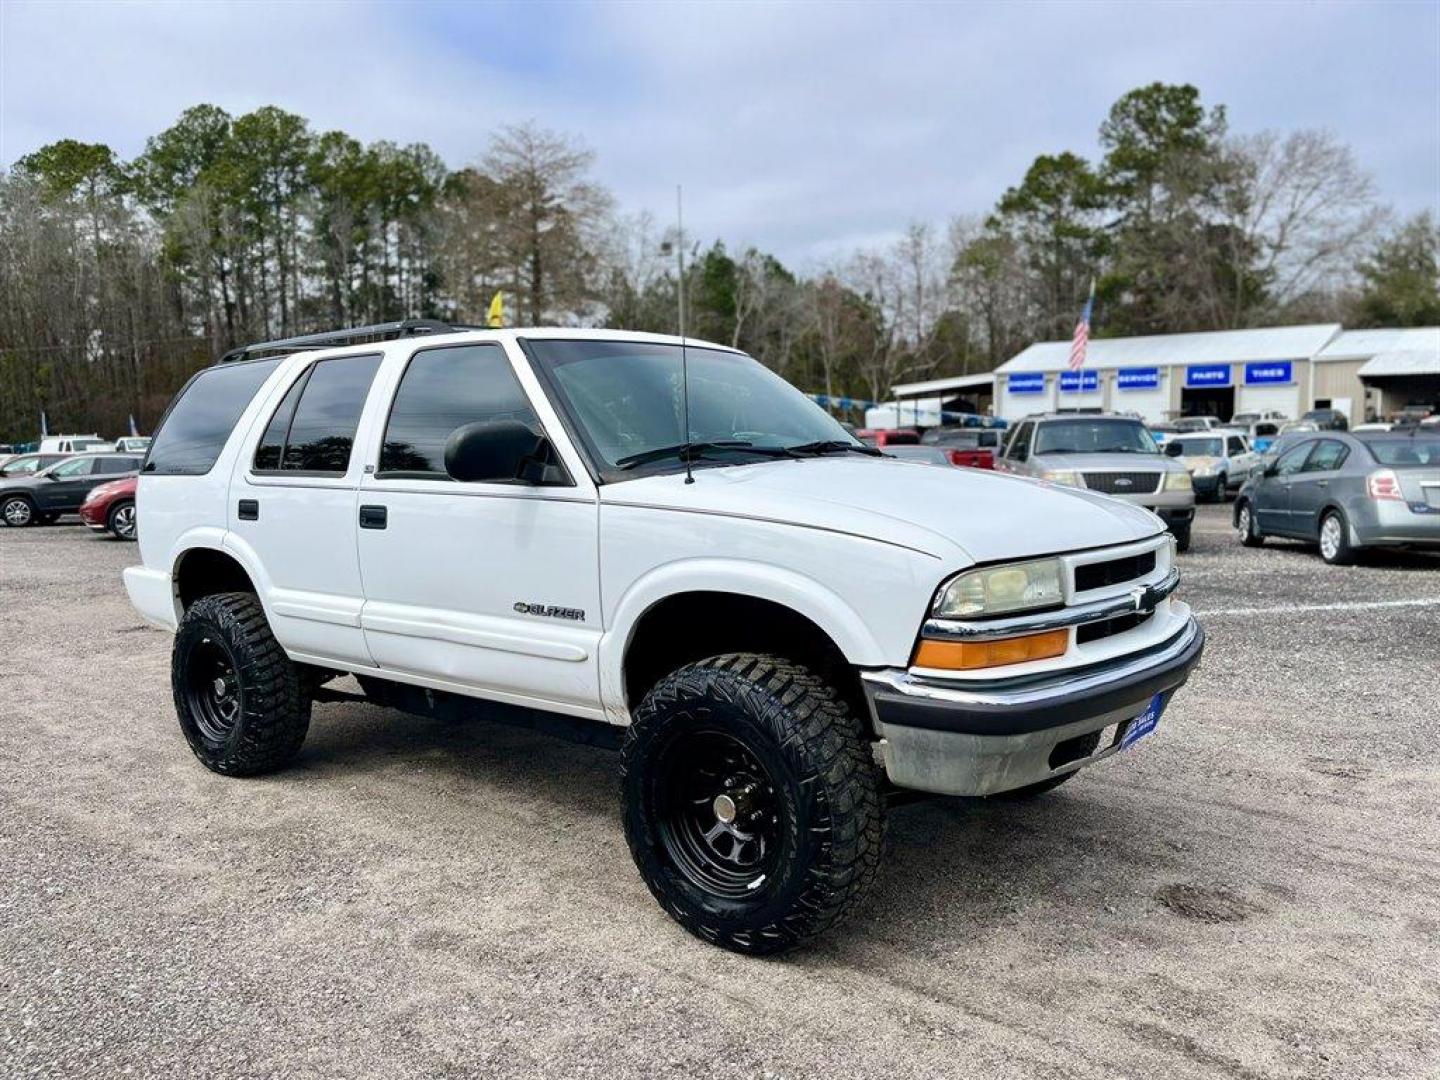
[(719, 816), (240, 700), (752, 804)]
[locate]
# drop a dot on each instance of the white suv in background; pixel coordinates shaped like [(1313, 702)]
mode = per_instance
[(777, 623)]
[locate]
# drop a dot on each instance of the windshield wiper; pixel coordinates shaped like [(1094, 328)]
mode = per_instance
[(693, 451), (833, 446)]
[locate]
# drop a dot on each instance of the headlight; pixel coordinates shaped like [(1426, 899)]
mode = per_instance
[(1063, 476), (1203, 470), (1178, 481), (999, 589)]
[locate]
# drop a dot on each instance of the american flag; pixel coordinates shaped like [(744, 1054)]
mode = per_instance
[(1081, 340)]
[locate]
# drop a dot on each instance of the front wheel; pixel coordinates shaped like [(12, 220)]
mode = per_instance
[(1222, 488), (17, 512), (751, 802), (1182, 537), (238, 696)]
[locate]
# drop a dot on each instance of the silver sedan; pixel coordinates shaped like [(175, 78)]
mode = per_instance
[(1347, 492)]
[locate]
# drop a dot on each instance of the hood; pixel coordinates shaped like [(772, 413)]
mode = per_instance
[(1104, 462), (1198, 461), (975, 514)]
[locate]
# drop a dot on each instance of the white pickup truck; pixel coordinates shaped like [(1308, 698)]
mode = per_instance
[(777, 624)]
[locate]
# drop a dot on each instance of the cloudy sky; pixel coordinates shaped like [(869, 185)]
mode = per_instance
[(808, 130)]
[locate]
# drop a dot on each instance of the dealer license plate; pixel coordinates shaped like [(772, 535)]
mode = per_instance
[(1145, 723)]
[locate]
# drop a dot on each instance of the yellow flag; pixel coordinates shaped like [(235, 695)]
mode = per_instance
[(496, 318)]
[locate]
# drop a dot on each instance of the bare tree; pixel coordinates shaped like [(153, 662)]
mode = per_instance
[(551, 218), (1306, 209)]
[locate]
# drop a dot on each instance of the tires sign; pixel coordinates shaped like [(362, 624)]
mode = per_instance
[(1270, 373)]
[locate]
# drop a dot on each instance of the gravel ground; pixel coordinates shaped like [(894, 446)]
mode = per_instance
[(1253, 892)]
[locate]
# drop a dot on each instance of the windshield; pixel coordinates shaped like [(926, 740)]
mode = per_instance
[(1094, 437), (1194, 448), (627, 399), (1402, 452)]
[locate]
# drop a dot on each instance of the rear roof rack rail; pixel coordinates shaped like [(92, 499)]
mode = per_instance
[(355, 335)]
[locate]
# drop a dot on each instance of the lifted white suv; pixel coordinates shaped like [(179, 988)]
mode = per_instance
[(780, 625)]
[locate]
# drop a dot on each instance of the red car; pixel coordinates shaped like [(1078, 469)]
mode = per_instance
[(111, 508), (883, 437)]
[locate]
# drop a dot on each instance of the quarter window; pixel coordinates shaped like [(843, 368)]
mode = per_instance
[(200, 420), (313, 430), (444, 389)]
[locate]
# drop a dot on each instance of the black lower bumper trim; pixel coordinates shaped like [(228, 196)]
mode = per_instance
[(988, 718)]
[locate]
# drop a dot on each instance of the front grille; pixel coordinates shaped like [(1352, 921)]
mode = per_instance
[(1115, 572), (1123, 483), (1110, 627)]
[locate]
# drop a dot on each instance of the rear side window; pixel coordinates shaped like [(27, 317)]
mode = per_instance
[(441, 390), (118, 464), (1327, 456), (200, 420), (313, 430)]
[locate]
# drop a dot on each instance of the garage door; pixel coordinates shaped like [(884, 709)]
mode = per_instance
[(1283, 399)]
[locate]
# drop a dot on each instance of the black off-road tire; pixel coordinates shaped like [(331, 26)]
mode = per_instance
[(1182, 537), (271, 711), (1247, 526), (822, 784), (18, 511)]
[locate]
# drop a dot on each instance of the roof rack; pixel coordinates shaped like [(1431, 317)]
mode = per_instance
[(353, 336)]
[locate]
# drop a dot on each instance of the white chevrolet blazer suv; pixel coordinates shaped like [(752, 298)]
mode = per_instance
[(621, 534)]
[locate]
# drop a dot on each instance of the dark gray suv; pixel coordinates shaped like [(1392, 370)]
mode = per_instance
[(60, 489)]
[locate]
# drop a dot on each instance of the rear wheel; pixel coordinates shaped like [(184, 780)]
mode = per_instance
[(17, 511), (1335, 546), (121, 521), (752, 803), (238, 696), (1246, 526)]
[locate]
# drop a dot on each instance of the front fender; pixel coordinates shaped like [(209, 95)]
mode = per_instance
[(802, 594)]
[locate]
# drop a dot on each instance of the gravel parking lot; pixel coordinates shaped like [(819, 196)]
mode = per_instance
[(1253, 892)]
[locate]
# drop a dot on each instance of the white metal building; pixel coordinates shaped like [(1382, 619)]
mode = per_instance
[(1386, 369), (1169, 375)]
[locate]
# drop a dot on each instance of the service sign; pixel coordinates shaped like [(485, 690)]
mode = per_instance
[(1207, 375), (1270, 373), (1027, 382), (1138, 378), (1079, 382)]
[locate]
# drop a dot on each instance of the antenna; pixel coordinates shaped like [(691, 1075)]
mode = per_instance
[(684, 364)]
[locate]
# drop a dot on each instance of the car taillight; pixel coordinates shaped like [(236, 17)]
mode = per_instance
[(1383, 484)]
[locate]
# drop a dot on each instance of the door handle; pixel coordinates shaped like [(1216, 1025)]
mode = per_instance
[(1322, 483), (248, 510), (373, 517)]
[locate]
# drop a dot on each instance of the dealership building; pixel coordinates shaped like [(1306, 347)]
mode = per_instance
[(1284, 369)]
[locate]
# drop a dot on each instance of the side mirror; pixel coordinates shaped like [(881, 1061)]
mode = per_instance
[(499, 451)]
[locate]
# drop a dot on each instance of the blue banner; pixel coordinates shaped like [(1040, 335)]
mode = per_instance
[(1025, 382), (1079, 382), (1270, 373), (1137, 378), (1207, 375)]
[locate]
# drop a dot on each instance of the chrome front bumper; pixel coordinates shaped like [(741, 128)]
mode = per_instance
[(980, 740)]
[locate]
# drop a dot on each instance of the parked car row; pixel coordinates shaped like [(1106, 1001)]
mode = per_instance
[(37, 488)]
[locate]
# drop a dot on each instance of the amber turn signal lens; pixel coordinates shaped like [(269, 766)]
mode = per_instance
[(971, 655)]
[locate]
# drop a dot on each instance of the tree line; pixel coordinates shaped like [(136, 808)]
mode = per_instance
[(120, 278)]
